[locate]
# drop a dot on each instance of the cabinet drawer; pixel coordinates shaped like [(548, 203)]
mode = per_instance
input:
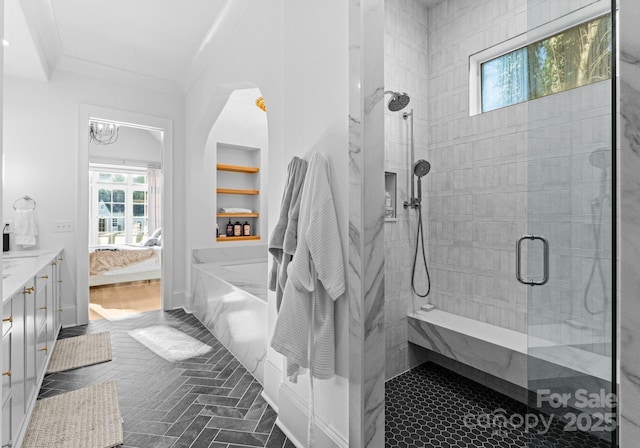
[(7, 317), (6, 366)]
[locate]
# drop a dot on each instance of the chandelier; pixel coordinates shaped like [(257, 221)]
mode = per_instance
[(102, 133)]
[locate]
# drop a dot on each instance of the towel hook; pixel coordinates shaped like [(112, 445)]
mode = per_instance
[(25, 198)]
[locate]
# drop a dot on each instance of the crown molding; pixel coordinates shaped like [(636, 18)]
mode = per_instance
[(87, 68)]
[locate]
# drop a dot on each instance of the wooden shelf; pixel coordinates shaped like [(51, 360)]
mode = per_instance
[(236, 191), (237, 238), (238, 168), (238, 215)]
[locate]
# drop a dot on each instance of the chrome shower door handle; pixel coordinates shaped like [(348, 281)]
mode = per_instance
[(545, 254)]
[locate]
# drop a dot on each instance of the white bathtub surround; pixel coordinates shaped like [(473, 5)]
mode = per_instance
[(366, 218), (629, 254), (229, 254), (224, 302)]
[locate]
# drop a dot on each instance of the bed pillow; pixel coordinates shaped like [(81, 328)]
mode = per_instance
[(151, 241)]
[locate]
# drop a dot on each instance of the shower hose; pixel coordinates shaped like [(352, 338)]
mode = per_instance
[(597, 230), (420, 241)]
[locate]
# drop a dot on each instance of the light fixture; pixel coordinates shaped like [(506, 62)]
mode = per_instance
[(260, 104), (5, 43), (102, 133)]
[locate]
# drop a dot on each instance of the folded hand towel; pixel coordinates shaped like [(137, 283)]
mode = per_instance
[(235, 210), (25, 228)]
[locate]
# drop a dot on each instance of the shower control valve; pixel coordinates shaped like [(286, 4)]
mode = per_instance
[(413, 203)]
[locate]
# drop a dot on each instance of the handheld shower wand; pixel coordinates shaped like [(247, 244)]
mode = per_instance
[(420, 169)]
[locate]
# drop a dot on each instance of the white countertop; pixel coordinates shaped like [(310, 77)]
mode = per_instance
[(18, 267)]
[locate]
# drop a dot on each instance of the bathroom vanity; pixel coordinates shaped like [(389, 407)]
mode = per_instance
[(31, 320)]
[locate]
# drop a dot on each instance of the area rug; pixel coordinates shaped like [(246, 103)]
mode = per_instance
[(80, 351), (84, 418), (170, 343)]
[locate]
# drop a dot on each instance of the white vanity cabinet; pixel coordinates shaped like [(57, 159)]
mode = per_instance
[(14, 364), (7, 372), (31, 321)]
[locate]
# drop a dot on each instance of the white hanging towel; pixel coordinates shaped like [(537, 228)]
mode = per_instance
[(316, 279), (25, 228)]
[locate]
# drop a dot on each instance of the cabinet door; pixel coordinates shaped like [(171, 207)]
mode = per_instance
[(18, 362), (30, 341), (7, 373), (42, 350), (57, 295), (44, 301), (7, 423)]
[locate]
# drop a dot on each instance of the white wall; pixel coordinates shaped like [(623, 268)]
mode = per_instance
[(41, 155), (240, 123), (134, 147), (300, 64)]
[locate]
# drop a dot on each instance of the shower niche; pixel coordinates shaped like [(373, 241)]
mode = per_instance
[(390, 196)]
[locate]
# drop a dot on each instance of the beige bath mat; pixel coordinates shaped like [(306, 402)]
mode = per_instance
[(84, 418), (80, 351)]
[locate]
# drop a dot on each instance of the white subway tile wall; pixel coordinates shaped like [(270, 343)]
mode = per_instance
[(406, 54)]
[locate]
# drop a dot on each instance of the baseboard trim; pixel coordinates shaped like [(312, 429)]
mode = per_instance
[(294, 414), (178, 300), (69, 316)]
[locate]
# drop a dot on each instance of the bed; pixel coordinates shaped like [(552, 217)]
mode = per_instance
[(123, 263)]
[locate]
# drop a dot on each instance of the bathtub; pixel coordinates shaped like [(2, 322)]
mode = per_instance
[(230, 299)]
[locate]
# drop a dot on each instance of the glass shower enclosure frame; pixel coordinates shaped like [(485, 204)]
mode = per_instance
[(566, 258)]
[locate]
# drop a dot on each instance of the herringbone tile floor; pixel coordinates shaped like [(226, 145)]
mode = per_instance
[(203, 402)]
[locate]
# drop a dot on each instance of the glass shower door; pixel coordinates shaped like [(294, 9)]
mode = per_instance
[(565, 258)]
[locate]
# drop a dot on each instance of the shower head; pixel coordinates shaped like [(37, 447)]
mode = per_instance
[(421, 168), (398, 101)]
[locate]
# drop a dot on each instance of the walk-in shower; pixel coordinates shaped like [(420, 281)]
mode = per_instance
[(517, 120)]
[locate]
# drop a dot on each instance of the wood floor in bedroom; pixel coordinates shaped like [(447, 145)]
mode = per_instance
[(123, 299)]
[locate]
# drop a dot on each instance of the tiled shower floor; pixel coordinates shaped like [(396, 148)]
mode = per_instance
[(429, 407), (209, 401)]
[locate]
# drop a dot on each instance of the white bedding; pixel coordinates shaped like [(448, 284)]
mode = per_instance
[(144, 270)]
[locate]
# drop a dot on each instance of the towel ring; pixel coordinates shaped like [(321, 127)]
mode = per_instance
[(25, 198)]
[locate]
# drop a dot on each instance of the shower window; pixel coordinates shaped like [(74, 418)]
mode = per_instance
[(575, 57)]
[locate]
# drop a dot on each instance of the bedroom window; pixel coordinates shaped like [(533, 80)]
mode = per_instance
[(514, 72), (119, 206)]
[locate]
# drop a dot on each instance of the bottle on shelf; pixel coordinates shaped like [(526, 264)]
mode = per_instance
[(217, 230), (237, 229), (246, 229), (229, 229), (388, 207)]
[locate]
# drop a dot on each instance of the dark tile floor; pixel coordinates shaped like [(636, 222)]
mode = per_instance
[(205, 402), (430, 406)]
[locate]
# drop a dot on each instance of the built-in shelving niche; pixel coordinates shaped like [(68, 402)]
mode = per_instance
[(238, 186)]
